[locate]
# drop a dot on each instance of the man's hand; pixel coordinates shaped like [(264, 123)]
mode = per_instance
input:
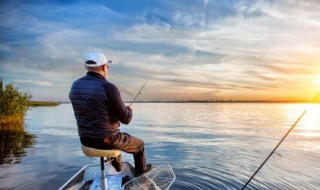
[(130, 106)]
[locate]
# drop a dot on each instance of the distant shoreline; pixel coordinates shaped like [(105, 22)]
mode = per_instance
[(225, 101), (213, 101)]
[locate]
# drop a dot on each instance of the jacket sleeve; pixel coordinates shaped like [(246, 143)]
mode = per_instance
[(123, 112)]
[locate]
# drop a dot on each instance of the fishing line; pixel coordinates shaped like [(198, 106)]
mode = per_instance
[(297, 121), (140, 90)]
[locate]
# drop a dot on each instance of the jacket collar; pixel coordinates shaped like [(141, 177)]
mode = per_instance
[(95, 75)]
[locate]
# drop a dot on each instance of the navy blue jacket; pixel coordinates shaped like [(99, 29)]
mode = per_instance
[(98, 106)]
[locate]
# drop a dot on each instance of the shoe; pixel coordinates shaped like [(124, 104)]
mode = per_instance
[(125, 179), (117, 163), (148, 168)]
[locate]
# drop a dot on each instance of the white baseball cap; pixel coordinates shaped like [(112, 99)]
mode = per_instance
[(97, 57)]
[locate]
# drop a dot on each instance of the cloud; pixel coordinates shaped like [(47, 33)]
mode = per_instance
[(37, 83), (207, 46)]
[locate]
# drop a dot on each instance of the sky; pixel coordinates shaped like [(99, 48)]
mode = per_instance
[(199, 50)]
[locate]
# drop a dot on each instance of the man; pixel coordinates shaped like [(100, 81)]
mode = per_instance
[(99, 110)]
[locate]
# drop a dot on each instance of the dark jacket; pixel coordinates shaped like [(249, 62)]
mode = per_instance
[(98, 107)]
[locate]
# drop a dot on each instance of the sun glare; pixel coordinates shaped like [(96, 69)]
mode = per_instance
[(317, 82), (310, 122)]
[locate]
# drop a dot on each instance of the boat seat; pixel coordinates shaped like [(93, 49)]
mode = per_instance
[(92, 152)]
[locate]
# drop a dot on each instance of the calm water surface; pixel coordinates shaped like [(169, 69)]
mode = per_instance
[(209, 146)]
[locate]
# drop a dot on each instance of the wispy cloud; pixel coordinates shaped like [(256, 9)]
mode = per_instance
[(37, 83)]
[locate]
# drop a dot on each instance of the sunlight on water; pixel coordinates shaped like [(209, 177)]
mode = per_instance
[(308, 129), (308, 123)]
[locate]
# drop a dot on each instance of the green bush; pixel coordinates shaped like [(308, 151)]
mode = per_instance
[(13, 103)]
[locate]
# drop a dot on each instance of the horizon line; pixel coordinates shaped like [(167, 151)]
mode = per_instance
[(205, 101)]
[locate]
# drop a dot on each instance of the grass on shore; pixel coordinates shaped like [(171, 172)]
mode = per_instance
[(17, 119), (14, 104), (43, 103)]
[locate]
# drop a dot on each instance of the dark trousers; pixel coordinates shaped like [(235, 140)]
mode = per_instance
[(124, 142)]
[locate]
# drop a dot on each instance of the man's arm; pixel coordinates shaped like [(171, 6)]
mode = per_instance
[(117, 105)]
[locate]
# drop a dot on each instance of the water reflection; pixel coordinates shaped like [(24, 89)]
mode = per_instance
[(209, 146), (13, 142)]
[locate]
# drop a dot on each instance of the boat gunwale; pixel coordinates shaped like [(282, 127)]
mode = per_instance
[(83, 168)]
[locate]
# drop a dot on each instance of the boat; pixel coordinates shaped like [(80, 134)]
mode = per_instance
[(95, 177), (89, 178)]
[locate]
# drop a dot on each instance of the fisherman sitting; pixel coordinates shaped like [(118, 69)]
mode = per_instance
[(99, 109)]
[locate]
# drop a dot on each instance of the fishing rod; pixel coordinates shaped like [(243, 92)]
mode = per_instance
[(297, 121), (140, 90)]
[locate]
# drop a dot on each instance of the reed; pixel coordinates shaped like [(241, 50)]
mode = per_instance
[(13, 104)]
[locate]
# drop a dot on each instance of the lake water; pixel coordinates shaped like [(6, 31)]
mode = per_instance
[(209, 146)]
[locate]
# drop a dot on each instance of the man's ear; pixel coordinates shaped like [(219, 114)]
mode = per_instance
[(103, 68)]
